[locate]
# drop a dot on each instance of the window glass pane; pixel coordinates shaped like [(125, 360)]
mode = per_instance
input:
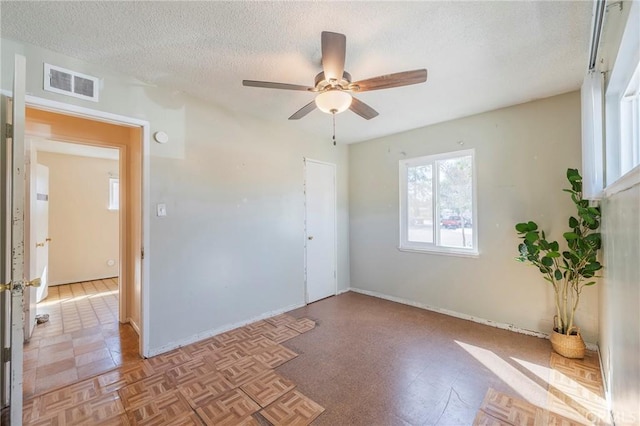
[(420, 204), (455, 202), (630, 125)]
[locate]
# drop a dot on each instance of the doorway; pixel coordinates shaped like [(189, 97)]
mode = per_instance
[(94, 322), (320, 230)]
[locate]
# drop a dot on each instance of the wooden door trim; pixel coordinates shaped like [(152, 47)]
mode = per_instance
[(120, 120)]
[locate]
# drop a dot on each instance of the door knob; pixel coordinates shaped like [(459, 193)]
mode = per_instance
[(6, 286), (34, 283), (310, 237), (48, 240)]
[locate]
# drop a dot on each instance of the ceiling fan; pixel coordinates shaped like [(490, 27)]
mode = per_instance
[(334, 87)]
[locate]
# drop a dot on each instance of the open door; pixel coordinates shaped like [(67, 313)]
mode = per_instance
[(36, 238), (12, 344)]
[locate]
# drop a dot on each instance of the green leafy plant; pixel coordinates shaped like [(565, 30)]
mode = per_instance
[(574, 268)]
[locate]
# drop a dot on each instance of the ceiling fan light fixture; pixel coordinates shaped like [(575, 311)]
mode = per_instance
[(333, 101)]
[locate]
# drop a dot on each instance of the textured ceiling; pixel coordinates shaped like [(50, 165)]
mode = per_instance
[(480, 55)]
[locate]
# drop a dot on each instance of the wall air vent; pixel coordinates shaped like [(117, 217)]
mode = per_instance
[(70, 83)]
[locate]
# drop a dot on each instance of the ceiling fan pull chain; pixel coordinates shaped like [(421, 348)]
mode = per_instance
[(334, 128)]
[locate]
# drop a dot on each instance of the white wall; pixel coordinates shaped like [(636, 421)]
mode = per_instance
[(619, 338), (522, 154), (620, 321), (84, 232), (231, 246)]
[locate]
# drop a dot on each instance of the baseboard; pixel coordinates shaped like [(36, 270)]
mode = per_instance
[(134, 325), (210, 333), (343, 291), (501, 325), (605, 386), (63, 282)]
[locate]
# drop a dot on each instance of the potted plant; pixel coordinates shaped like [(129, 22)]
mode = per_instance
[(569, 270)]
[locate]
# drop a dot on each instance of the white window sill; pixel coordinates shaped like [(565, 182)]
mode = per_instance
[(442, 251), (626, 181)]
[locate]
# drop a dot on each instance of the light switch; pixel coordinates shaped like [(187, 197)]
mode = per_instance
[(161, 209)]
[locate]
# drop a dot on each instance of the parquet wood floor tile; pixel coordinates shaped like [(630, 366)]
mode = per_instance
[(167, 361), (95, 410), (226, 356), (227, 409), (191, 419), (281, 333), (81, 339), (233, 336), (274, 356), (509, 409), (144, 391), (243, 371), (190, 371), (282, 319), (574, 397), (267, 387), (255, 344), (292, 409), (302, 325), (121, 420), (202, 348), (123, 376), (484, 419), (203, 388), (248, 421), (66, 398), (258, 327), (160, 410)]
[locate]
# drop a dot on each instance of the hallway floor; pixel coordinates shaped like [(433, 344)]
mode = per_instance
[(345, 360), (81, 339)]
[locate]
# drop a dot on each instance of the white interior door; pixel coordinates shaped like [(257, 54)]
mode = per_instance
[(320, 215), (36, 250)]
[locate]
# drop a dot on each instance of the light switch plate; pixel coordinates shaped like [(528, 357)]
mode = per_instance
[(161, 210)]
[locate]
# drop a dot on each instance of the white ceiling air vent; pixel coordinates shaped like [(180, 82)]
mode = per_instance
[(70, 83)]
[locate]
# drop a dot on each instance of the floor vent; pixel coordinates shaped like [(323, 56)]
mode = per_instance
[(70, 83)]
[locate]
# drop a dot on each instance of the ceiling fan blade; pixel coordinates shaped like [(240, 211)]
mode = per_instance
[(303, 111), (272, 85), (398, 79), (362, 109), (334, 47)]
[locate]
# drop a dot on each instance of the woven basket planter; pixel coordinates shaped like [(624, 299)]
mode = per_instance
[(569, 346)]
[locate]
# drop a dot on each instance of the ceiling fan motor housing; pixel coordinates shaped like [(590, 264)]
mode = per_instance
[(322, 84)]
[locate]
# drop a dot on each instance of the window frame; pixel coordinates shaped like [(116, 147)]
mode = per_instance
[(435, 247), (626, 66)]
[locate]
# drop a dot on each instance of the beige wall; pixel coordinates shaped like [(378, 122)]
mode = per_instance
[(83, 231), (231, 247), (522, 154)]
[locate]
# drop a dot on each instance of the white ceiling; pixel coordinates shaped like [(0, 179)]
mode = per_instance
[(480, 55)]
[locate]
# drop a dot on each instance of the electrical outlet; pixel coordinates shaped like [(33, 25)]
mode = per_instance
[(161, 210)]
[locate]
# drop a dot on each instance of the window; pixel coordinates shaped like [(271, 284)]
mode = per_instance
[(629, 123), (437, 204), (622, 110), (114, 193)]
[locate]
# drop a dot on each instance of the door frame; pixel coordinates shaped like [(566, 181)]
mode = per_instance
[(335, 224), (107, 117)]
